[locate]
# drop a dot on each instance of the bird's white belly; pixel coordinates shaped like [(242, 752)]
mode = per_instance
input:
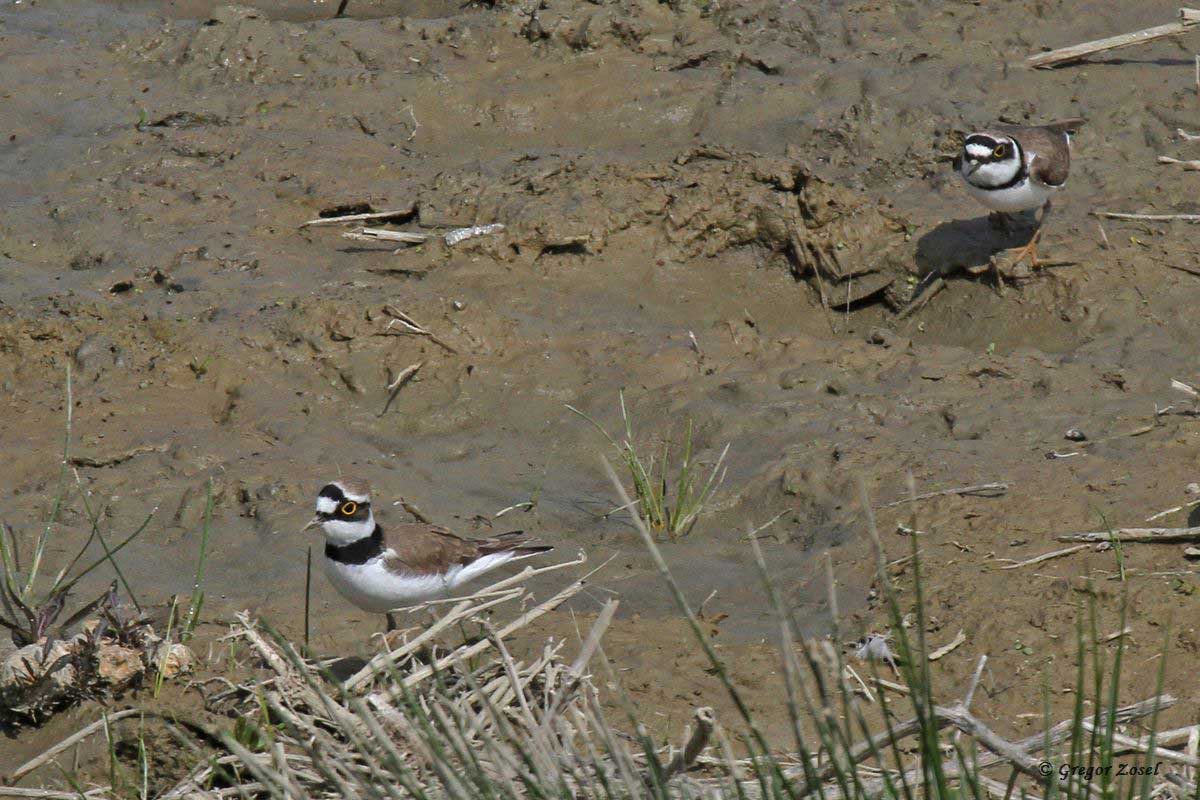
[(372, 587), (1022, 197)]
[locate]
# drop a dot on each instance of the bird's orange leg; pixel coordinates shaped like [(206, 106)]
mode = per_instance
[(1029, 251)]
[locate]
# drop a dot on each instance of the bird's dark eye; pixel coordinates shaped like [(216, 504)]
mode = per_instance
[(1000, 151), (348, 508)]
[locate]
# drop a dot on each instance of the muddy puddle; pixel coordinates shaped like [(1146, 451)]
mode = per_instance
[(669, 176)]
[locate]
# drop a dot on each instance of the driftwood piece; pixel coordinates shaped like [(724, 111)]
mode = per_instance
[(1066, 551), (451, 237), (1148, 217), (1188, 19), (1151, 535), (385, 235), (923, 299), (1191, 166), (48, 755), (979, 490), (346, 219), (946, 648), (398, 383)]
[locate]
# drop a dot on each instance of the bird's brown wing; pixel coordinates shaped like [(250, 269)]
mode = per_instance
[(1051, 162), (420, 549)]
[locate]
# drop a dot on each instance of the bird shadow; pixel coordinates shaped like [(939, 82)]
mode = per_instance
[(967, 245)]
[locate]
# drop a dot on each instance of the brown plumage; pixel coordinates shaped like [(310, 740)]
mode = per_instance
[(354, 487), (1048, 146), (419, 549)]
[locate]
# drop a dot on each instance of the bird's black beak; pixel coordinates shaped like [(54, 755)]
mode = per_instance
[(972, 166), (313, 523)]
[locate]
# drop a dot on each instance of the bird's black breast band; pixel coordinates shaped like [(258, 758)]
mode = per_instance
[(358, 552)]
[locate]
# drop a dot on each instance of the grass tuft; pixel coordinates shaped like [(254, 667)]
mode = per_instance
[(665, 513)]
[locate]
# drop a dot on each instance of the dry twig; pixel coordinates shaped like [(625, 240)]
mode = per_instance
[(1066, 551), (410, 326), (47, 755), (959, 638), (1191, 166), (1147, 217), (1150, 535), (1188, 19), (398, 383), (345, 219), (980, 490)]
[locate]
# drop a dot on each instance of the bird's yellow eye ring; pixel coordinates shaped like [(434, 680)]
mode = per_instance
[(1000, 151), (348, 508)]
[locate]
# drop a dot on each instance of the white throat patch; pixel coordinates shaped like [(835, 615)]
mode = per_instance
[(342, 532)]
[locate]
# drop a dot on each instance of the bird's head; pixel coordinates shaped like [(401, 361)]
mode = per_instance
[(344, 512), (989, 160)]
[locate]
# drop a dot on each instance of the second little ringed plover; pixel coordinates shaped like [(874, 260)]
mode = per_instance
[(1014, 168), (379, 570)]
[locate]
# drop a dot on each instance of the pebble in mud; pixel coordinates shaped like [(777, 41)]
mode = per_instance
[(95, 352), (791, 378), (965, 425)]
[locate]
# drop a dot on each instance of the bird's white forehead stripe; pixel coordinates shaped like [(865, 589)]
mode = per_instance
[(978, 151), (326, 505)]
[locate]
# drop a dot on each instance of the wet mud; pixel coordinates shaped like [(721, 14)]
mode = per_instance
[(717, 211)]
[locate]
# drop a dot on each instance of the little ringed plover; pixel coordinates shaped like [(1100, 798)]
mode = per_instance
[(1014, 168), (380, 570)]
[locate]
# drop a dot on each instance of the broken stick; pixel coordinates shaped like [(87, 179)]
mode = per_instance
[(344, 219), (398, 383), (1151, 535), (1148, 217), (384, 235), (979, 490), (1188, 19), (1191, 166), (1043, 557)]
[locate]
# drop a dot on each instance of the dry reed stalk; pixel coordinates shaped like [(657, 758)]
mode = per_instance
[(1188, 19)]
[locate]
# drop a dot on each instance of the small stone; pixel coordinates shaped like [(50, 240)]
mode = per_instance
[(86, 261), (1192, 488), (791, 378), (1075, 435), (458, 305), (1191, 552), (91, 350), (118, 666), (965, 426), (268, 491), (881, 336), (27, 665), (173, 659)]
